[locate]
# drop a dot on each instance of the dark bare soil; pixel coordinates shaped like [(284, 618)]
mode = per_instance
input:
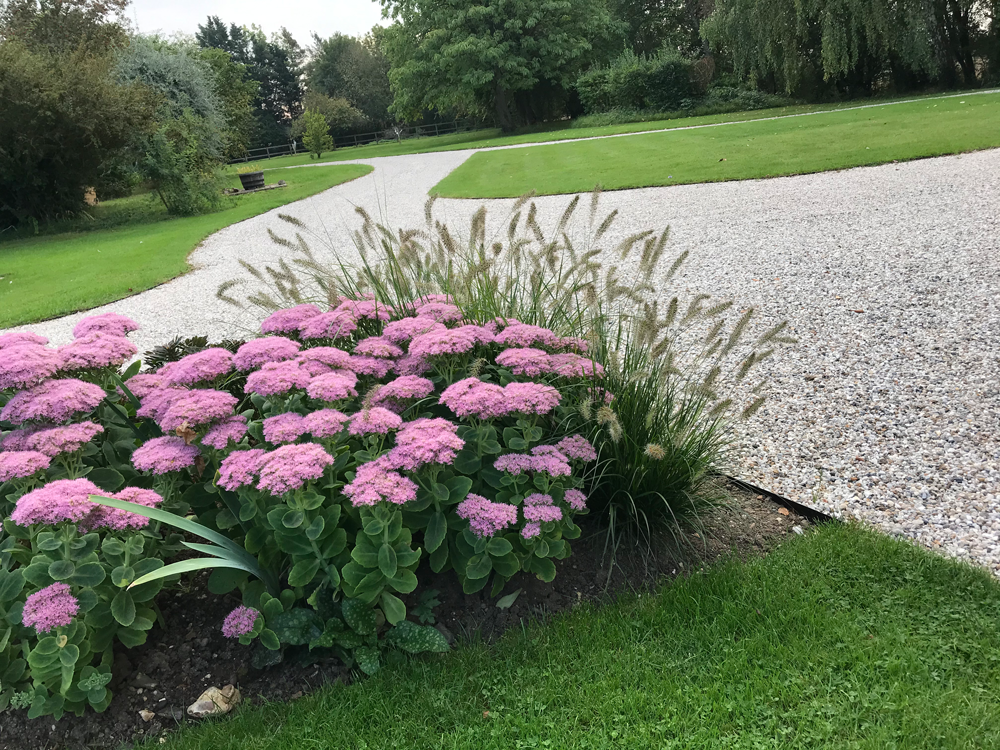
[(178, 662)]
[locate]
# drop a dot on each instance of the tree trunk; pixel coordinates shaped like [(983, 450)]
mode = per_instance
[(501, 106)]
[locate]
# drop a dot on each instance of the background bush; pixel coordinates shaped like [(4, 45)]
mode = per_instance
[(661, 82)]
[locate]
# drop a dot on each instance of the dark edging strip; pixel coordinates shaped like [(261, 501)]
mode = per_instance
[(816, 516)]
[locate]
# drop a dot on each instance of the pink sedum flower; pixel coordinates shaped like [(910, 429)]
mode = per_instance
[(200, 367), (111, 324), (284, 428), (278, 378), (197, 407), (576, 500), (16, 338), (364, 308), (329, 325), (375, 482), (291, 466), (143, 384), (519, 463), (522, 334), (50, 608), (331, 356), (404, 388), (289, 320), (406, 329), (378, 346), (540, 508), (376, 420), (17, 440), (67, 439), (442, 343), (240, 621), (530, 398), (94, 351), (331, 387), (472, 397), (155, 404), (222, 433), (578, 448), (373, 366), (53, 401), (425, 441), (103, 517), (61, 500), (325, 423), (530, 362), (486, 518), (239, 469), (165, 454), (442, 312), (412, 365), (574, 366), (22, 464), (25, 365), (531, 530), (258, 352)]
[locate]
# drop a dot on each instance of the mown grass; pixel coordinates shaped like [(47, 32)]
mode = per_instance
[(56, 274), (795, 145), (559, 131), (840, 639)]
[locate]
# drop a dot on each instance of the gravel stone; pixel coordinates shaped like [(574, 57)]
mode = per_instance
[(888, 410)]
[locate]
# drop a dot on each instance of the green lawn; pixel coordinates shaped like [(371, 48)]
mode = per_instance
[(840, 639), (558, 131), (56, 274), (795, 145)]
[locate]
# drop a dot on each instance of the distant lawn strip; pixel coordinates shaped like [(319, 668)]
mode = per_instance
[(841, 639), (562, 131), (796, 145), (52, 275)]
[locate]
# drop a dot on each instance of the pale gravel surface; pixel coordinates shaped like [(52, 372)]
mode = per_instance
[(887, 410)]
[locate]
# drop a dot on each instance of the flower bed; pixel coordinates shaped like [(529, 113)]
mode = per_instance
[(322, 461)]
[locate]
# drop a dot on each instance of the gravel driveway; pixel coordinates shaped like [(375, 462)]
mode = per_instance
[(888, 409)]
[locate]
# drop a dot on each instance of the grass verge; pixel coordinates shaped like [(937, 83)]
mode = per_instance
[(746, 150), (51, 275), (840, 639)]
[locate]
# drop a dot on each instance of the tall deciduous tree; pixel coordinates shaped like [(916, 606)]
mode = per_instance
[(488, 55), (355, 69)]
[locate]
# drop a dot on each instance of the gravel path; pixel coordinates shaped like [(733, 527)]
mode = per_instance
[(888, 409)]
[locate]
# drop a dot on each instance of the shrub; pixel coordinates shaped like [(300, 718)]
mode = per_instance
[(317, 138), (659, 83)]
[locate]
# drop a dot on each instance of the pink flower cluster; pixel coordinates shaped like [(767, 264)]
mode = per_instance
[(552, 463), (49, 608), (329, 325), (96, 350), (289, 320), (110, 324), (54, 441), (200, 367), (26, 364), (425, 441), (258, 352), (165, 454), (278, 378), (375, 482), (284, 428), (220, 434), (291, 466), (103, 517), (240, 621), (196, 407), (376, 420), (541, 509), (325, 423), (534, 362), (486, 518), (474, 398), (332, 387), (22, 464), (52, 401), (68, 500), (239, 468), (406, 329), (378, 346), (403, 388), (577, 447)]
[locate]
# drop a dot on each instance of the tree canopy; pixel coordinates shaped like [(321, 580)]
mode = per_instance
[(355, 69)]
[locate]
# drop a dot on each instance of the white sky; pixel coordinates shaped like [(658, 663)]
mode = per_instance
[(301, 17)]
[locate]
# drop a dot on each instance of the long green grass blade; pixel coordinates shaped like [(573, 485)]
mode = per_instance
[(186, 566)]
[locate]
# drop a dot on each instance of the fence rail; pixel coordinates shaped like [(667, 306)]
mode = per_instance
[(400, 133)]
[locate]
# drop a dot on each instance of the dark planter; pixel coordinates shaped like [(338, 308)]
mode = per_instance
[(252, 180)]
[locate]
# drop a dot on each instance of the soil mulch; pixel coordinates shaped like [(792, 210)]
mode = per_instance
[(155, 683)]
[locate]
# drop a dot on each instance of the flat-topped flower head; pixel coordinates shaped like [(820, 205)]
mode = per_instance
[(96, 350), (411, 365), (472, 397), (70, 438), (143, 384), (378, 346), (155, 403), (530, 398), (289, 320), (552, 463), (22, 464), (200, 367), (486, 518), (111, 324), (442, 343), (531, 530), (329, 325), (325, 423), (404, 388), (16, 338), (406, 329), (540, 508), (574, 344), (373, 366), (331, 356), (165, 454), (376, 420), (360, 309), (17, 440), (442, 312), (277, 378), (570, 365), (258, 352), (103, 517), (425, 441), (197, 407), (25, 365), (577, 447), (528, 361), (240, 621), (291, 466), (375, 482), (222, 433), (284, 428), (61, 500), (331, 387), (53, 401), (239, 469), (576, 500), (50, 608), (523, 334)]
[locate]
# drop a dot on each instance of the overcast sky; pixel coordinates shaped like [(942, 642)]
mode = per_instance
[(301, 17)]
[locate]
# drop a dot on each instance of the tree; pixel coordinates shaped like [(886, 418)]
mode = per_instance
[(340, 116), (235, 92), (354, 69), (488, 55), (317, 137), (651, 25)]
